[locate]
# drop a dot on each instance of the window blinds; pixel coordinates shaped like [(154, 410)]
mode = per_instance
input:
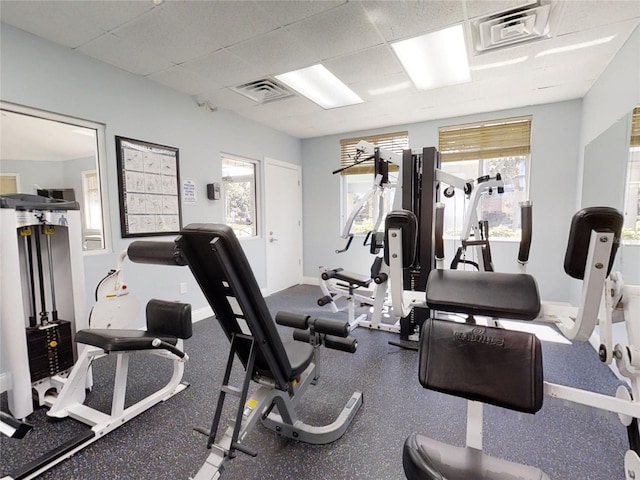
[(491, 139), (394, 142), (635, 128)]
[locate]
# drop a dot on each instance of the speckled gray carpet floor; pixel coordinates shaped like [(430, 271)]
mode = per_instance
[(567, 442)]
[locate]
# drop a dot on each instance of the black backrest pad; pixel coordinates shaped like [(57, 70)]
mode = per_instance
[(407, 221), (169, 318), (486, 364), (220, 267), (600, 219)]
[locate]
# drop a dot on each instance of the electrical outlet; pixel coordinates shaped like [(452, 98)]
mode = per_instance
[(183, 288)]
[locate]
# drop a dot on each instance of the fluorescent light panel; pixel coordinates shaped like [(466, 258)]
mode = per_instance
[(436, 59), (320, 86)]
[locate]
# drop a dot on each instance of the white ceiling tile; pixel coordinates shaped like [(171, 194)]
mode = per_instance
[(181, 79), (116, 51), (339, 31), (371, 62), (587, 14), (165, 34), (376, 87), (398, 20), (224, 69), (229, 22), (276, 52), (285, 12)]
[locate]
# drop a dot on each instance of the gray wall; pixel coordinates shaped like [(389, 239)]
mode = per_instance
[(555, 139), (42, 75)]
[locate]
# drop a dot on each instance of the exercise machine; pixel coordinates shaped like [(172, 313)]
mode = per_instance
[(282, 371), (469, 360), (42, 283), (168, 324)]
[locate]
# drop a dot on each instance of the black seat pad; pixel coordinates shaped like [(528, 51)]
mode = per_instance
[(353, 278), (300, 355), (112, 340), (491, 294)]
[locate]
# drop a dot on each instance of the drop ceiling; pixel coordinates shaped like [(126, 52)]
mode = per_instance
[(206, 48)]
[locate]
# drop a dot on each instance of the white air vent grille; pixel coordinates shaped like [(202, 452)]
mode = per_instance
[(263, 91), (512, 27)]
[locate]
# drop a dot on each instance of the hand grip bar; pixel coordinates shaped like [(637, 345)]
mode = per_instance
[(526, 222), (439, 231), (157, 343)]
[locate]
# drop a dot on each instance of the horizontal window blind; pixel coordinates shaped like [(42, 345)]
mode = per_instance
[(491, 139), (394, 142), (635, 128)]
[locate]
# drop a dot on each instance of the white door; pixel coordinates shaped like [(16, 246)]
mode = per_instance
[(283, 222)]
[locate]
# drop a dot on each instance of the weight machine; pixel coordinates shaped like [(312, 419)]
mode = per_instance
[(451, 353), (418, 191)]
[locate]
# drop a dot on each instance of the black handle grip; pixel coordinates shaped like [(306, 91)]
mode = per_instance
[(526, 222), (157, 343), (295, 320), (348, 344), (439, 231), (155, 253), (331, 326), (346, 247)]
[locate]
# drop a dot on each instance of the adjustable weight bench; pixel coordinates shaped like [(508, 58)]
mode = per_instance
[(283, 370), (168, 324)]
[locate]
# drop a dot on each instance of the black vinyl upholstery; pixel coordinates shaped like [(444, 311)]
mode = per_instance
[(491, 294), (220, 267), (112, 340)]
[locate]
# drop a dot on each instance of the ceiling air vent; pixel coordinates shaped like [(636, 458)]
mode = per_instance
[(263, 91), (524, 24)]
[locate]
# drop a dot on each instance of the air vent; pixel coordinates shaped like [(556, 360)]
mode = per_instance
[(263, 91), (516, 26)]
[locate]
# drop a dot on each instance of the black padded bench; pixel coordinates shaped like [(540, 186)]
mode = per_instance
[(351, 278)]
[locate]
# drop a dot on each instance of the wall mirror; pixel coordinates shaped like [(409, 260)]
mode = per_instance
[(612, 177), (61, 157)]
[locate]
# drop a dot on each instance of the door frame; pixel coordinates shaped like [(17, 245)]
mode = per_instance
[(268, 161)]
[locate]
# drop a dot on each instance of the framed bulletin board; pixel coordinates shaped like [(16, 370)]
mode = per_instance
[(148, 186)]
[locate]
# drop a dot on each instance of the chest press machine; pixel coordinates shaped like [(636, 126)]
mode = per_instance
[(282, 370), (504, 368)]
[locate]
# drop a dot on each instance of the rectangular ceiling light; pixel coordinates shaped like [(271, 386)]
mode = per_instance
[(436, 59), (320, 86)]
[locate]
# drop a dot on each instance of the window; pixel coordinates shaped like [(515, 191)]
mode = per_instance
[(92, 210), (239, 189), (358, 180), (473, 150), (631, 227)]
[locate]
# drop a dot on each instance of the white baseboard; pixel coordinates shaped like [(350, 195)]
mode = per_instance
[(201, 313), (311, 280)]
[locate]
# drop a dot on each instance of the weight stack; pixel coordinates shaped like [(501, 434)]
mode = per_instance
[(50, 350)]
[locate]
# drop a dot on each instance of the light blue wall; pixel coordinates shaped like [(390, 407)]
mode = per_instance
[(555, 140), (39, 74)]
